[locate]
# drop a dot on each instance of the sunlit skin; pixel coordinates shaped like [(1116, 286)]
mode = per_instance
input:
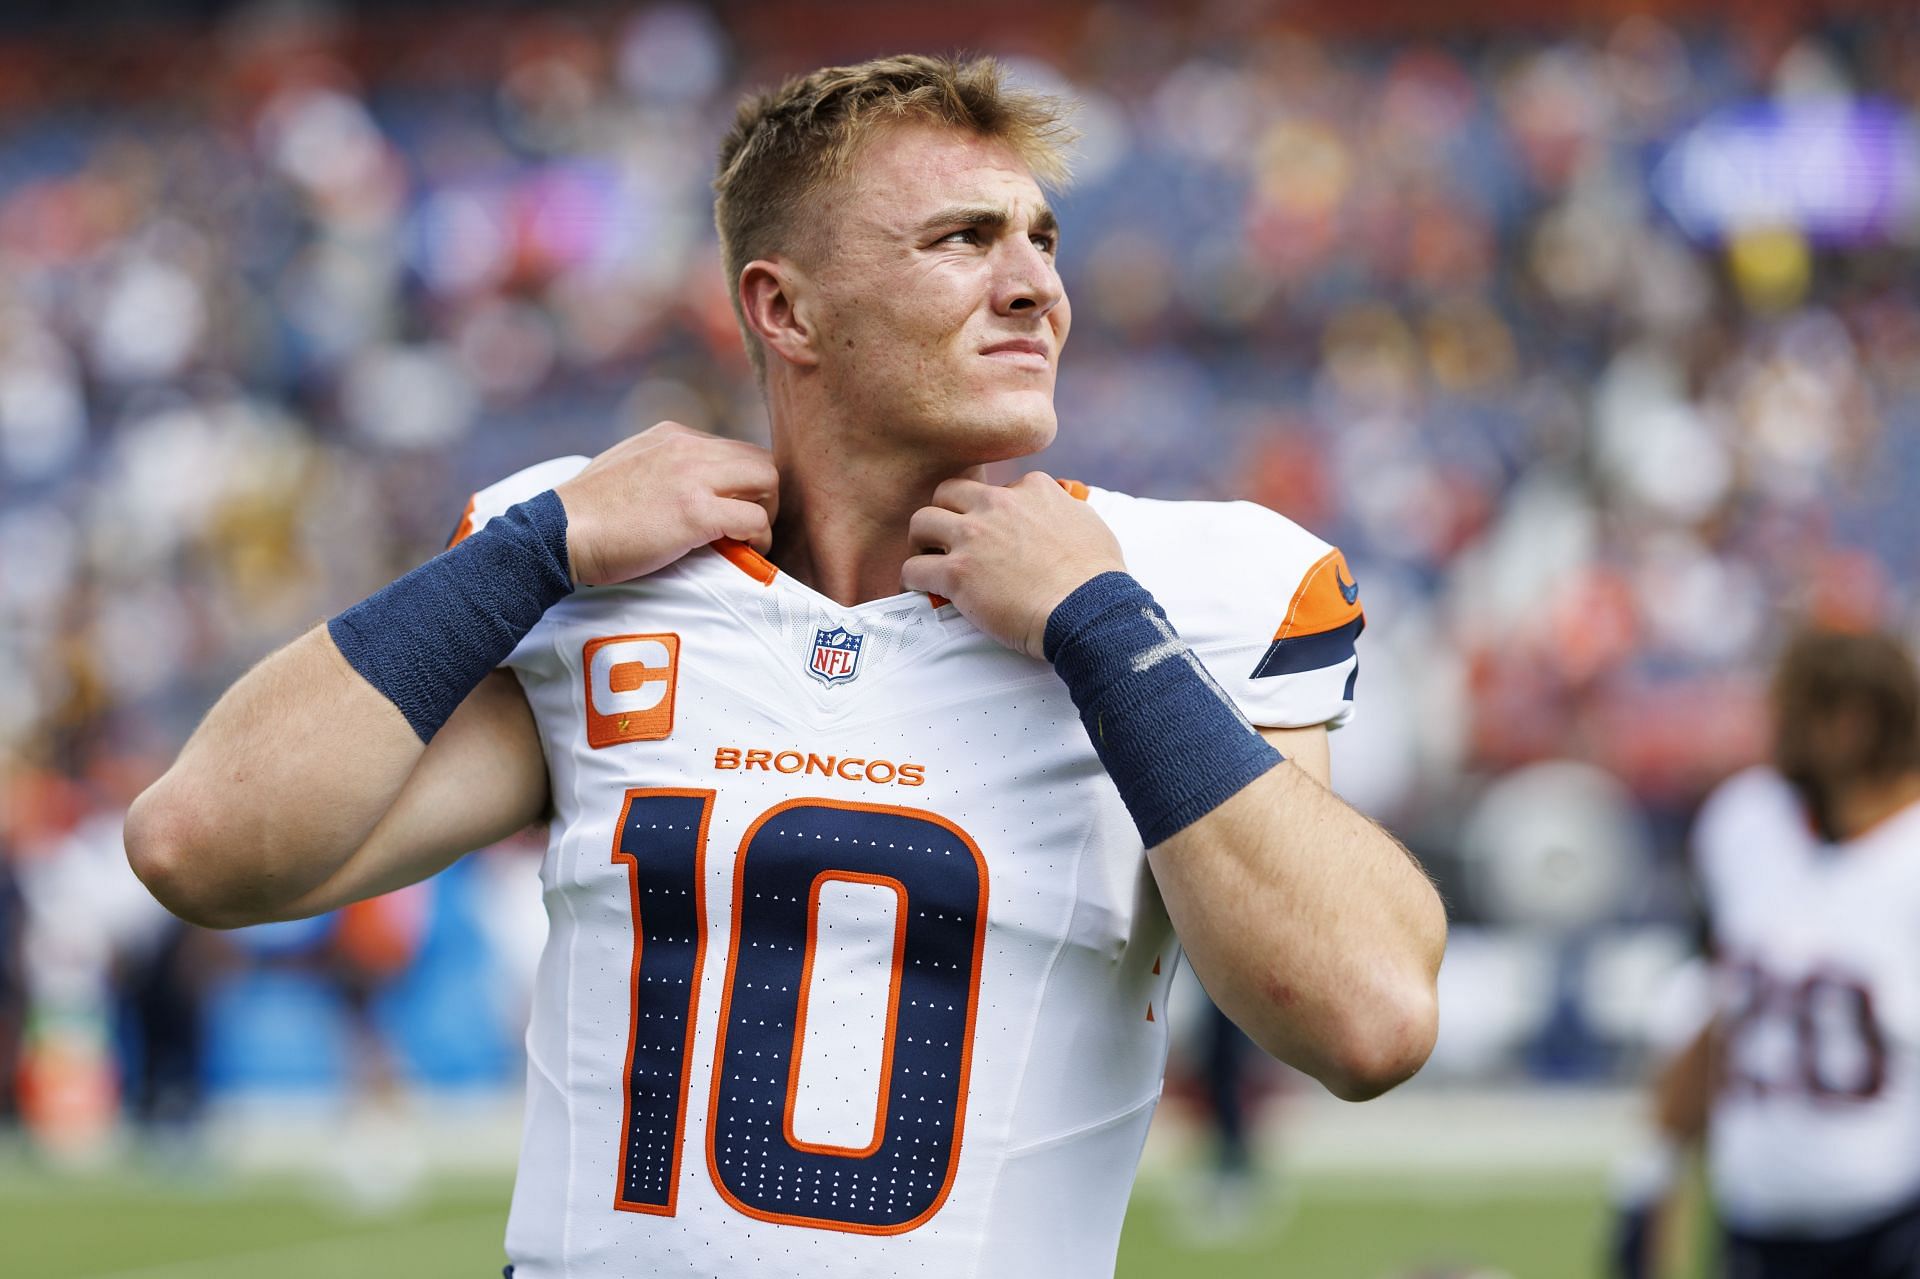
[(914, 339)]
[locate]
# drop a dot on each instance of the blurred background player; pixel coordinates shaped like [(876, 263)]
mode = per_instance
[(1805, 1081)]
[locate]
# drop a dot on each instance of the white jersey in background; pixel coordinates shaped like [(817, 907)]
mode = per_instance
[(855, 966), (1816, 1128)]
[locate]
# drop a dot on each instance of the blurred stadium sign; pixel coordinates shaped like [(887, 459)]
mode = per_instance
[(1556, 846), (1837, 171)]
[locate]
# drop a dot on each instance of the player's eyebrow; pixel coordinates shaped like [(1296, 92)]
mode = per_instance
[(988, 217)]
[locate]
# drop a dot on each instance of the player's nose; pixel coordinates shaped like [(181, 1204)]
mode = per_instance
[(1026, 284)]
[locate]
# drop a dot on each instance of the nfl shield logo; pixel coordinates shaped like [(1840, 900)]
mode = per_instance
[(836, 655)]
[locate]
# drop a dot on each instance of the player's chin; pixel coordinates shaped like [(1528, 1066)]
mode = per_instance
[(1010, 425)]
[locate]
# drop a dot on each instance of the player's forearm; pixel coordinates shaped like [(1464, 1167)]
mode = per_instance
[(1648, 1175), (1309, 924), (1312, 929), (283, 780), (1683, 1088)]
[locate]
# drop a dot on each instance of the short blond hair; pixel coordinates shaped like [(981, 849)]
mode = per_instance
[(790, 143)]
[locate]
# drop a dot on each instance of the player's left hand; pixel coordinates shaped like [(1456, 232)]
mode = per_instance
[(1007, 557)]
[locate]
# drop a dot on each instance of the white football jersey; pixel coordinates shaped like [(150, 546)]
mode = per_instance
[(1816, 1128), (855, 966)]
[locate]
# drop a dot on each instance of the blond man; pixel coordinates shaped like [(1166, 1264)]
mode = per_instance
[(882, 800)]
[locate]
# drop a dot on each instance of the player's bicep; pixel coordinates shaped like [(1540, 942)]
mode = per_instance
[(1307, 748), (482, 778)]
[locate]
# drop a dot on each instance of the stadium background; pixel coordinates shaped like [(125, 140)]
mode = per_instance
[(1591, 335)]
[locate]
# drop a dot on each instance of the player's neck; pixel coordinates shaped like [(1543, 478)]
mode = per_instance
[(1866, 804), (842, 523)]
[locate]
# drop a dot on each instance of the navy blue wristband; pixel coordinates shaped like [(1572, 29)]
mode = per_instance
[(428, 639), (1175, 745)]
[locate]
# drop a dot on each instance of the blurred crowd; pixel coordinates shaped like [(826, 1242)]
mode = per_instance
[(276, 300)]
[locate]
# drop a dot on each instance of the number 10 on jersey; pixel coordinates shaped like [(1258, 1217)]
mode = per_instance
[(790, 854)]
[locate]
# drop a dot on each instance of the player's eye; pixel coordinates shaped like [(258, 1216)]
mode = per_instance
[(965, 235), (1046, 243)]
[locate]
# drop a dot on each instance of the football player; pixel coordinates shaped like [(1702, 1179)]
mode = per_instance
[(882, 799), (1805, 1082)]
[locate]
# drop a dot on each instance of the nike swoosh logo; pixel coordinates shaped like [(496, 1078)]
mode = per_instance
[(1349, 591)]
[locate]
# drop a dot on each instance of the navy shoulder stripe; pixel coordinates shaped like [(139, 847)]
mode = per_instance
[(1310, 652)]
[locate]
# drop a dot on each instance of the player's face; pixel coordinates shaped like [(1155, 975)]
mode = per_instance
[(941, 313)]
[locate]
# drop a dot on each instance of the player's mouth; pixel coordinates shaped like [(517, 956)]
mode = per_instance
[(1028, 353)]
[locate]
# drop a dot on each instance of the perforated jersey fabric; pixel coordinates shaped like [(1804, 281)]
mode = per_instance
[(855, 965)]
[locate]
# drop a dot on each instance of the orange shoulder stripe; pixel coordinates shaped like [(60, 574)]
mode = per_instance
[(464, 528), (1327, 599)]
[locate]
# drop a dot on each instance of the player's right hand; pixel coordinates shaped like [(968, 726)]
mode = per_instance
[(654, 496)]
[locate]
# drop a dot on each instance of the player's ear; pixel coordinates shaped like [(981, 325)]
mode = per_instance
[(773, 298)]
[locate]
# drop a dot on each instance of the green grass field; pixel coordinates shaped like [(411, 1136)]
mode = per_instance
[(173, 1225), (1373, 1228)]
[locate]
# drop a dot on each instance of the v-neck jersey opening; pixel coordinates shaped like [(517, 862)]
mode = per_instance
[(768, 574)]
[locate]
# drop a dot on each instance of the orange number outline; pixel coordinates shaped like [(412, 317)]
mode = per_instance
[(893, 1011), (620, 1201), (966, 1043)]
